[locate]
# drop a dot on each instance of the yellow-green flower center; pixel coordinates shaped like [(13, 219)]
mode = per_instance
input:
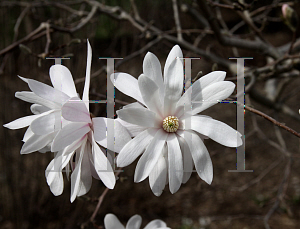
[(171, 124)]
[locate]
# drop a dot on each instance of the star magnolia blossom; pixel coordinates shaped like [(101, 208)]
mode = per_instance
[(167, 135), (112, 222), (47, 103), (76, 142)]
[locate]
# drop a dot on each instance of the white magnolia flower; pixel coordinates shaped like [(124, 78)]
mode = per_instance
[(112, 222), (47, 103), (168, 137), (76, 143)]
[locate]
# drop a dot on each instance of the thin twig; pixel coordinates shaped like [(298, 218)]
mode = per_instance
[(177, 20)]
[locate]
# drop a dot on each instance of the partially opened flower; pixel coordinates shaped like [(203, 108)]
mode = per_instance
[(76, 145), (47, 102), (168, 133), (112, 222)]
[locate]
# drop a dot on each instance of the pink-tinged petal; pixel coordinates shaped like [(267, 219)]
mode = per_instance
[(38, 109), (211, 95), (200, 156), (68, 135), (62, 80), (152, 69), (45, 124), (134, 222), (127, 84), (121, 135), (54, 179), (36, 142), (85, 96), (76, 174), (21, 122), (30, 97), (187, 158), (173, 86), (139, 116), (103, 167), (150, 156), (85, 176), (175, 163), (112, 222), (174, 54), (75, 110), (133, 130), (216, 130), (135, 147), (47, 92), (157, 223), (150, 94), (158, 175)]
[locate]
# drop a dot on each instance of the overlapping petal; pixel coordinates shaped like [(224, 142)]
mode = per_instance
[(75, 110), (134, 222)]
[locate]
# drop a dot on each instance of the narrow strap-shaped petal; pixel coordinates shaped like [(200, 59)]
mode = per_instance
[(211, 95), (217, 131), (37, 142), (134, 222), (175, 163), (54, 179), (152, 69), (85, 96), (139, 116), (156, 224), (75, 110), (150, 94), (21, 122), (30, 97), (127, 84), (150, 156), (69, 134), (62, 80), (133, 130), (121, 135), (112, 222), (158, 175), (38, 109), (135, 147), (173, 54), (45, 124), (133, 105), (28, 134), (103, 167), (200, 156)]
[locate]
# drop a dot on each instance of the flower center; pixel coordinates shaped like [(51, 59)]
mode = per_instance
[(171, 124)]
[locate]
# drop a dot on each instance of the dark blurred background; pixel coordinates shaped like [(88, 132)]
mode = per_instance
[(268, 197)]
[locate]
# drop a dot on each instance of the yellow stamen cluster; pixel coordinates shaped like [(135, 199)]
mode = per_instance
[(171, 124)]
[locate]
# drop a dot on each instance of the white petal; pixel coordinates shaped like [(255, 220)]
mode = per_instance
[(36, 142), (138, 116), (174, 53), (187, 159), (47, 92), (121, 135), (54, 179), (28, 134), (200, 156), (150, 156), (69, 134), (62, 79), (150, 94), (156, 224), (103, 167), (85, 176), (21, 122), (135, 147), (127, 84), (158, 175), (133, 105), (112, 222), (45, 124), (152, 69), (216, 130), (175, 163), (211, 95), (134, 222), (75, 110), (85, 96), (133, 130), (38, 109), (30, 97), (173, 86)]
